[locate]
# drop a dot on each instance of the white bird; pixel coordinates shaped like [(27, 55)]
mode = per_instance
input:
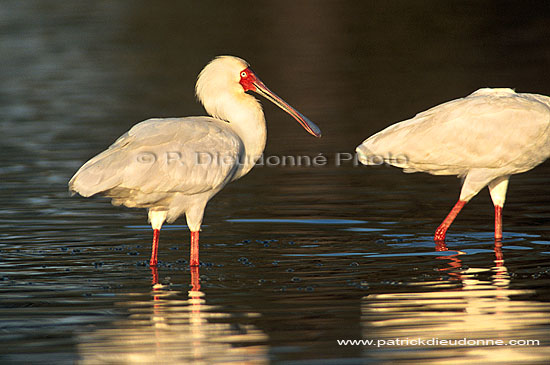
[(174, 166), (483, 138)]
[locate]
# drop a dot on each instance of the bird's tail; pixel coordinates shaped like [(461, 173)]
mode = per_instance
[(365, 155), (93, 178), (370, 152)]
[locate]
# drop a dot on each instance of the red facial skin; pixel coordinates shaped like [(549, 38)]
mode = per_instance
[(248, 78)]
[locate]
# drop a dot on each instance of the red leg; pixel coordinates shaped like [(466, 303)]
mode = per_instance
[(194, 261), (498, 222), (195, 279), (153, 261), (155, 275), (499, 258), (442, 229)]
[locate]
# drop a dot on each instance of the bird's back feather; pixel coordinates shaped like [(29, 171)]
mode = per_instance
[(490, 129), (160, 157)]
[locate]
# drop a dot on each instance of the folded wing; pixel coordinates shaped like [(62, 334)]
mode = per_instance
[(159, 157)]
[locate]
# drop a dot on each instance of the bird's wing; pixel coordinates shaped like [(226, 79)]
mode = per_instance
[(487, 129), (188, 155)]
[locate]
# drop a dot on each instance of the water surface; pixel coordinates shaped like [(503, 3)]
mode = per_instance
[(293, 258)]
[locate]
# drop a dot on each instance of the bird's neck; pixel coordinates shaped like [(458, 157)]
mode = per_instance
[(253, 133), (246, 119)]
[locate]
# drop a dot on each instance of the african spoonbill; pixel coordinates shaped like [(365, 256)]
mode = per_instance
[(174, 166), (483, 138)]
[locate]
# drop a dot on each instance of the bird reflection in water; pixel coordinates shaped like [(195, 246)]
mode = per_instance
[(464, 304), (169, 329), (454, 261)]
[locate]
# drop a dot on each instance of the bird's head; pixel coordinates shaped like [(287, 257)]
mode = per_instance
[(227, 78)]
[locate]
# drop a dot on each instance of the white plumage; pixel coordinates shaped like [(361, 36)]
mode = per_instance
[(483, 138), (157, 164), (174, 166)]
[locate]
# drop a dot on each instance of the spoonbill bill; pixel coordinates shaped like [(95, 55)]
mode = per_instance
[(483, 138), (174, 166)]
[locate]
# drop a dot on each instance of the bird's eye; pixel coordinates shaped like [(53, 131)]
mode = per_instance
[(243, 74)]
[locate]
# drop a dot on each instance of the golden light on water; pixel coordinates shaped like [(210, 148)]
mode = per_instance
[(170, 330), (470, 317)]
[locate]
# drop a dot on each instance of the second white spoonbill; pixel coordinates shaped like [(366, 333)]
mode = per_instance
[(483, 138)]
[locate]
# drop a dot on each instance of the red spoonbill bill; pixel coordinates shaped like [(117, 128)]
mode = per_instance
[(174, 166), (483, 138)]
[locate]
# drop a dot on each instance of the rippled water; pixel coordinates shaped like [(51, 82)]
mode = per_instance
[(293, 258)]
